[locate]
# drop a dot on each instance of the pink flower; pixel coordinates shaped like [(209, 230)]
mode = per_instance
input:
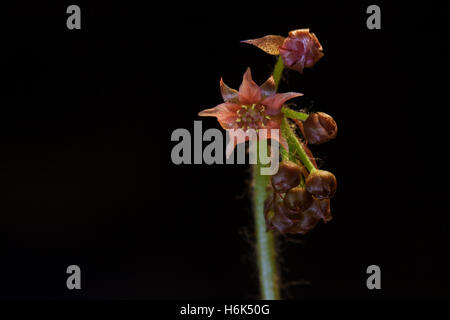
[(252, 107), (301, 49)]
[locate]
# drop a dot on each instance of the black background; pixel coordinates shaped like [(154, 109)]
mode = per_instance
[(87, 179)]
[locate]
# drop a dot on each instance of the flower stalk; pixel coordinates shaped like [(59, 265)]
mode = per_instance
[(294, 114), (295, 148), (278, 72), (265, 244)]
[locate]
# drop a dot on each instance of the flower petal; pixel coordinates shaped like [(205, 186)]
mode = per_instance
[(249, 91), (276, 101), (268, 87), (291, 57), (299, 33), (268, 44), (316, 41), (313, 54), (225, 114), (228, 94), (298, 67)]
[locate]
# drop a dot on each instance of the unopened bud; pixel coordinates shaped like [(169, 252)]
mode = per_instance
[(301, 50), (320, 208), (306, 223), (321, 184), (319, 128), (287, 177), (278, 218), (298, 199)]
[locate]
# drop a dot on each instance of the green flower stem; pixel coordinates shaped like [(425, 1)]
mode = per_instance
[(265, 244), (294, 114), (265, 248), (295, 148), (278, 72), (284, 154)]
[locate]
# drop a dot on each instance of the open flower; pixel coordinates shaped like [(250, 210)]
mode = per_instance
[(301, 49), (252, 107)]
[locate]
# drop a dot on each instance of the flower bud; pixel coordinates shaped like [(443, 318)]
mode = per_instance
[(287, 177), (306, 223), (278, 218), (280, 221), (320, 208), (298, 212), (301, 49), (319, 128), (298, 199), (321, 184)]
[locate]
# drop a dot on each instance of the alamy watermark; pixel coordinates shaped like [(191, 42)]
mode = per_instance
[(74, 280), (190, 150)]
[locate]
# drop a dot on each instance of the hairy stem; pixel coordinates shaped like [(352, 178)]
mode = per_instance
[(265, 247), (294, 114), (265, 244), (284, 154), (295, 148)]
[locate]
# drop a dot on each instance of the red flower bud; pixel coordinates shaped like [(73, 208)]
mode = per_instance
[(319, 128), (321, 184), (287, 177), (301, 49), (306, 223), (320, 208), (285, 220), (297, 199), (278, 218)]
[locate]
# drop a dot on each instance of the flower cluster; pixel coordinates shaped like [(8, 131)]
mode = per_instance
[(298, 200), (299, 193)]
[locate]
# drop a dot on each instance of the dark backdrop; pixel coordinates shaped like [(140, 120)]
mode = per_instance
[(86, 175)]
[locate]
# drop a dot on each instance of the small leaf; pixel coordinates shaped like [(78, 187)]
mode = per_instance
[(270, 44)]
